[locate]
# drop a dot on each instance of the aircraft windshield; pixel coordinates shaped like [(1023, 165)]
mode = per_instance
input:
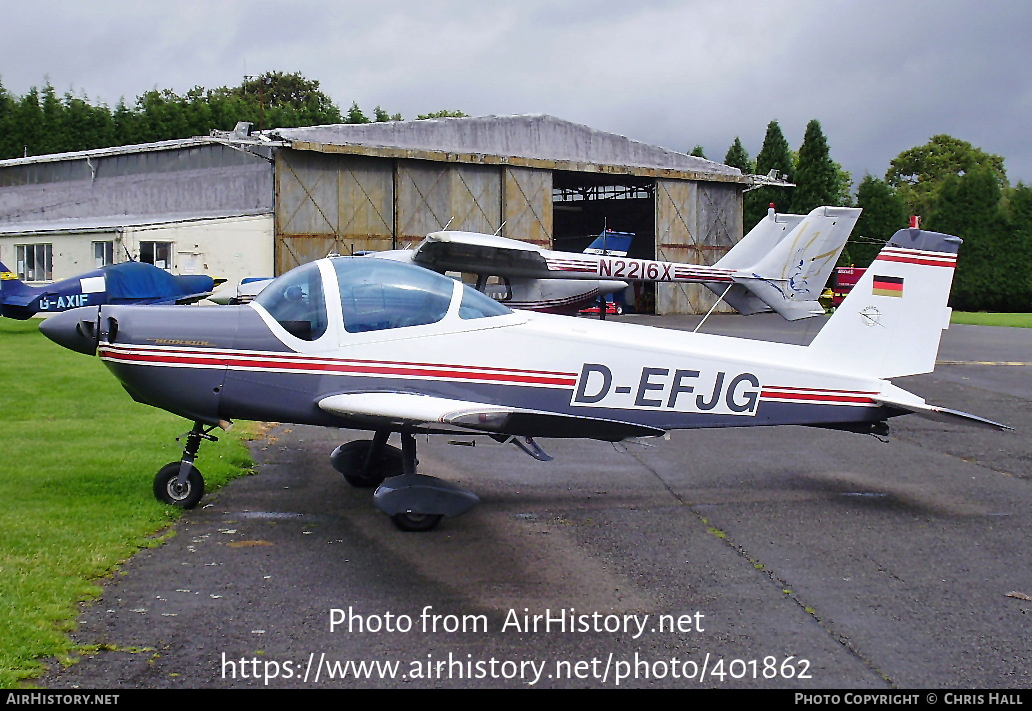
[(296, 301), (378, 294)]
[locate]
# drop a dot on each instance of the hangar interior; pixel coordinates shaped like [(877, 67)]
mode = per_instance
[(236, 204)]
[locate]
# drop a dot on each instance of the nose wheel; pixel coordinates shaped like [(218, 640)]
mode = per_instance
[(180, 483), (168, 490)]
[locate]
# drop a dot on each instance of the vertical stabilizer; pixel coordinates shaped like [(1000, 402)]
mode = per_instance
[(10, 284), (891, 322), (789, 274)]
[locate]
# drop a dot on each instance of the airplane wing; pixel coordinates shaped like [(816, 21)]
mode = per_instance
[(490, 254), (192, 298), (424, 411), (470, 251)]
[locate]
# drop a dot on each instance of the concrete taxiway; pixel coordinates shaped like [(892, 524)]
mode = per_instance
[(761, 557)]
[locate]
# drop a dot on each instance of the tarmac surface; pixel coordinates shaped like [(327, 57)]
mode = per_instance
[(736, 558)]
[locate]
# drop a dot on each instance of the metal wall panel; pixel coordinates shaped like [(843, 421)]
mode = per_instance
[(430, 195), (331, 203), (204, 181), (527, 205), (696, 223)]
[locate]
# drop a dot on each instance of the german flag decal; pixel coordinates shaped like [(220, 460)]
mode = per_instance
[(887, 286)]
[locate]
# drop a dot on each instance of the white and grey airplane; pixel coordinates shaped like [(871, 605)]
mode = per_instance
[(388, 347), (781, 265)]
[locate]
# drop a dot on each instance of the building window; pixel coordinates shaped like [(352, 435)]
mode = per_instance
[(157, 253), (103, 254), (35, 262)]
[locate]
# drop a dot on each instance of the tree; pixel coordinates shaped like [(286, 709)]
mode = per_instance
[(773, 155), (381, 116), (355, 115), (884, 212), (698, 152), (919, 173), (8, 121), (969, 207), (284, 100), (443, 113), (816, 175), (738, 157), (29, 125), (1019, 207)]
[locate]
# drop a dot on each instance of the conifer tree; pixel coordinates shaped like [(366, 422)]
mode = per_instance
[(738, 157), (816, 175), (773, 155)]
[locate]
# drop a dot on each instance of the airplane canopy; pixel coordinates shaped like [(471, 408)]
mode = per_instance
[(375, 295)]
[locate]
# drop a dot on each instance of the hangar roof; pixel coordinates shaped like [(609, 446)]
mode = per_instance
[(532, 140)]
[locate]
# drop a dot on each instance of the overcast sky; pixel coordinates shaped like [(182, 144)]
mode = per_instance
[(881, 76)]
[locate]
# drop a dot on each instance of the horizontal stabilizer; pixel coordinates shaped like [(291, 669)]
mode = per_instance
[(428, 412), (942, 414)]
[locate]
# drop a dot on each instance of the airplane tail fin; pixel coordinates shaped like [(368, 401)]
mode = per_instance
[(614, 244), (891, 322), (785, 265), (10, 284), (760, 240), (14, 295)]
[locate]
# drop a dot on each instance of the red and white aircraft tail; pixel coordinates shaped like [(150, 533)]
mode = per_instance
[(892, 320)]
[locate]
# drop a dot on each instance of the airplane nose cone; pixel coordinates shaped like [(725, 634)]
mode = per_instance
[(75, 329)]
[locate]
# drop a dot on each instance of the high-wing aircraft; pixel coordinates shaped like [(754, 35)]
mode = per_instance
[(387, 347), (781, 265), (125, 283)]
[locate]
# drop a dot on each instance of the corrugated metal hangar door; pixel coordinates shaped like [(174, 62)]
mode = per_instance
[(328, 203), (527, 205), (431, 195), (696, 223)]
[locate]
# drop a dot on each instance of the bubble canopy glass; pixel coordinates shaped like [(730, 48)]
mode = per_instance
[(375, 294)]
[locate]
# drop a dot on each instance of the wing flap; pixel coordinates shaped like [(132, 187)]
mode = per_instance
[(429, 412)]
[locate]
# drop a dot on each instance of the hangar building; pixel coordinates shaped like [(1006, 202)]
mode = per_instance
[(237, 204)]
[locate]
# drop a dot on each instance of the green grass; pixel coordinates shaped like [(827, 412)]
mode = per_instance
[(78, 458), (980, 318)]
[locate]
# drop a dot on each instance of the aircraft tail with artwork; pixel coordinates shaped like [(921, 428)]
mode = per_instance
[(784, 263)]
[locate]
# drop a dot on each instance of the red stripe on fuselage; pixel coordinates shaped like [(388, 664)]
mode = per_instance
[(299, 363)]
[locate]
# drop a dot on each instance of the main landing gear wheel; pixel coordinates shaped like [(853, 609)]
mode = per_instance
[(416, 523), (366, 463), (168, 490), (416, 502)]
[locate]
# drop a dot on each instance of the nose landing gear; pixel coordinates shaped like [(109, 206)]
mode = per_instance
[(180, 483)]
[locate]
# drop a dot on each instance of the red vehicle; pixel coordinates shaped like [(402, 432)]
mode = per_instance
[(843, 279)]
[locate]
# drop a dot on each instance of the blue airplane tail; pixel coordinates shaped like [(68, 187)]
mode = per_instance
[(10, 284), (615, 244), (14, 294)]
